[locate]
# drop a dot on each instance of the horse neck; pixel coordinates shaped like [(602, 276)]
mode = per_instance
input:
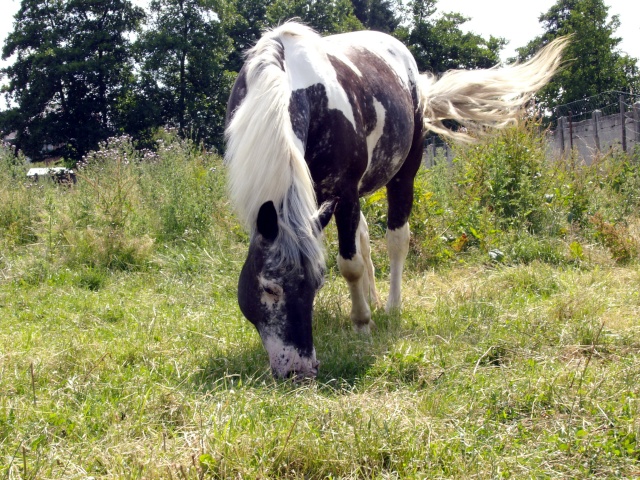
[(265, 158)]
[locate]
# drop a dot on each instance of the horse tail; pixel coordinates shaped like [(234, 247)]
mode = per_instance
[(493, 97)]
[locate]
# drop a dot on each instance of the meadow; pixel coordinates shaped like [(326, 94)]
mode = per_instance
[(123, 353)]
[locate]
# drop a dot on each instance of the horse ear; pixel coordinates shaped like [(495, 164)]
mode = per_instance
[(326, 211), (267, 222)]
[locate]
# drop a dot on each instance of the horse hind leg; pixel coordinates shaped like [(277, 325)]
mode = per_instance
[(398, 248), (400, 199)]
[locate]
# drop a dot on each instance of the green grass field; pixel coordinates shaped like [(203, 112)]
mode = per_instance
[(123, 353)]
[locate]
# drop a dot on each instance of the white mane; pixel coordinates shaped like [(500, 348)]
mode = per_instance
[(265, 159)]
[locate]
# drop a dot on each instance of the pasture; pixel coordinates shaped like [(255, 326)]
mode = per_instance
[(123, 353)]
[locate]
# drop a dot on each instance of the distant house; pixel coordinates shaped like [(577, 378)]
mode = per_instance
[(57, 174), (48, 151), (10, 138)]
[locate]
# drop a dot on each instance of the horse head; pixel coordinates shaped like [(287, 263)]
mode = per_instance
[(277, 297)]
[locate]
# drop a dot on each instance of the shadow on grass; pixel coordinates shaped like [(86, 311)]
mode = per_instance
[(248, 365), (346, 357)]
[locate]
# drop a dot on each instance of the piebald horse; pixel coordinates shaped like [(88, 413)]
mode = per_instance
[(315, 123)]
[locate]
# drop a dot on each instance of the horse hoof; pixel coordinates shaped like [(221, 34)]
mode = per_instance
[(364, 328), (392, 309)]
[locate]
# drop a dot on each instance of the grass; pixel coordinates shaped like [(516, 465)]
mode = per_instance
[(144, 367)]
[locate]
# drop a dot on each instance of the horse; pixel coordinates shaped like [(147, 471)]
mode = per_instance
[(313, 124)]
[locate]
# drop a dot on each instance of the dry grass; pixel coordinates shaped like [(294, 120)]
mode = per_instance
[(524, 368)]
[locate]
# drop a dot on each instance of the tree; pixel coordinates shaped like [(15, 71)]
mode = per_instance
[(594, 63), (380, 15), (73, 62), (326, 17), (245, 29), (438, 43), (184, 53)]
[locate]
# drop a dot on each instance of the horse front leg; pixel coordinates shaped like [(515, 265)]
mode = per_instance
[(369, 280), (354, 262)]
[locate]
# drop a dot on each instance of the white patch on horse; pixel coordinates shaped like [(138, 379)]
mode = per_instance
[(343, 57), (369, 278), (308, 64), (398, 248), (354, 270), (374, 136), (397, 161), (272, 295), (285, 359), (392, 51)]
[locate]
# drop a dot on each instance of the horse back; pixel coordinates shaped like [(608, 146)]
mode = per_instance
[(354, 108)]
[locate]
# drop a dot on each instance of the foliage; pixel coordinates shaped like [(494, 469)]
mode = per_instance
[(335, 16), (85, 70), (379, 15), (594, 62), (125, 206), (17, 216), (73, 64), (504, 199), (184, 51), (438, 44), (616, 238)]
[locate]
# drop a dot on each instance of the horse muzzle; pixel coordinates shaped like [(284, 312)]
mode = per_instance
[(287, 362)]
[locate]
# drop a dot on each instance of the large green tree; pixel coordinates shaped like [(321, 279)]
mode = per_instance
[(244, 28), (330, 16), (72, 65), (438, 42), (380, 15), (594, 63), (252, 17), (184, 52)]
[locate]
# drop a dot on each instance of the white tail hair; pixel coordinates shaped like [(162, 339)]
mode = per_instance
[(493, 97)]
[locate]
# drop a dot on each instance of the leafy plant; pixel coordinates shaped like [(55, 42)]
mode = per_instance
[(616, 238)]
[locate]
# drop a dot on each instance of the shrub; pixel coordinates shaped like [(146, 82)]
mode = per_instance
[(616, 238), (183, 189), (501, 182), (505, 194), (17, 200)]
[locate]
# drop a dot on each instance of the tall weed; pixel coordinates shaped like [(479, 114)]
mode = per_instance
[(18, 200), (126, 205), (505, 198), (183, 188), (501, 182), (500, 200), (103, 228)]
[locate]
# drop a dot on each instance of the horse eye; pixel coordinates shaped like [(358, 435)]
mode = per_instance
[(273, 289)]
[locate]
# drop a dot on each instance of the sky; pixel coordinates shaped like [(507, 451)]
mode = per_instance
[(516, 21)]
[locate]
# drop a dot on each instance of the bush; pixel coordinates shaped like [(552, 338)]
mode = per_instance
[(126, 205), (17, 200), (501, 200), (504, 199)]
